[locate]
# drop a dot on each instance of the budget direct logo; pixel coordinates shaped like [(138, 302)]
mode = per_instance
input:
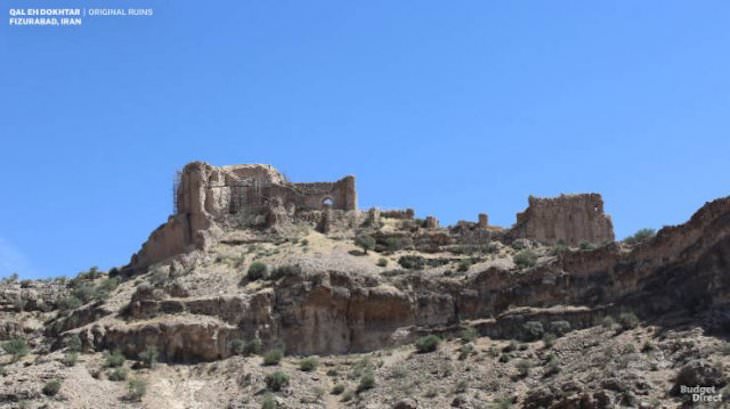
[(701, 394)]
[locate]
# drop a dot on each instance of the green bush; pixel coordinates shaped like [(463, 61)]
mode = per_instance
[(69, 303), (640, 236), (465, 351), (276, 381), (338, 389), (136, 388), (548, 339), (523, 367), (253, 346), (608, 322), (347, 396), (585, 245), (238, 346), (117, 374), (16, 347), (525, 258), (628, 320), (367, 381), (149, 356), (463, 266), (560, 328), (468, 334), (286, 270), (70, 358), (273, 357), (114, 359), (308, 364), (256, 271), (365, 242), (533, 330), (428, 343), (411, 262), (52, 387), (73, 343), (382, 262), (269, 402)]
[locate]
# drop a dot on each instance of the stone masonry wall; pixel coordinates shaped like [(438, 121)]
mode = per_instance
[(570, 219)]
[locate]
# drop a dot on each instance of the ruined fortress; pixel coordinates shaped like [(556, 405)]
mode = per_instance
[(210, 199)]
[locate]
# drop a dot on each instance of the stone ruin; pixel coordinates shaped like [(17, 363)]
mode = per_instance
[(568, 219), (210, 200)]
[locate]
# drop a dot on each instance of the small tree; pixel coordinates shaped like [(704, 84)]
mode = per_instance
[(16, 347), (365, 241)]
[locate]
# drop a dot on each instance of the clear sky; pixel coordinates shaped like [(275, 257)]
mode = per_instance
[(450, 107)]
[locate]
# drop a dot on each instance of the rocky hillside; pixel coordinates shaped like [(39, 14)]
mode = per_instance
[(280, 304)]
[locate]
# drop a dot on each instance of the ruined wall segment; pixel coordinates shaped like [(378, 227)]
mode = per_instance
[(570, 219), (207, 197)]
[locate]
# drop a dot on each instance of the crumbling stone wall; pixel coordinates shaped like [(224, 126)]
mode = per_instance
[(570, 219), (207, 196)]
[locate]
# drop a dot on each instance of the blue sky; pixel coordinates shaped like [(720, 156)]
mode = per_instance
[(452, 108)]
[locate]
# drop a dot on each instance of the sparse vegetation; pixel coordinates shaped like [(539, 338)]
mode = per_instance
[(412, 262), (273, 357), (70, 358), (256, 271), (468, 334), (237, 346), (136, 389), (429, 343), (338, 389), (533, 330), (548, 339), (285, 270), (69, 303), (525, 259), (585, 245), (365, 242), (52, 387), (560, 328), (269, 402), (73, 343), (640, 236), (523, 367), (308, 364), (367, 381), (114, 359), (253, 346), (276, 381), (149, 356), (117, 374), (17, 347), (608, 322), (628, 320)]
